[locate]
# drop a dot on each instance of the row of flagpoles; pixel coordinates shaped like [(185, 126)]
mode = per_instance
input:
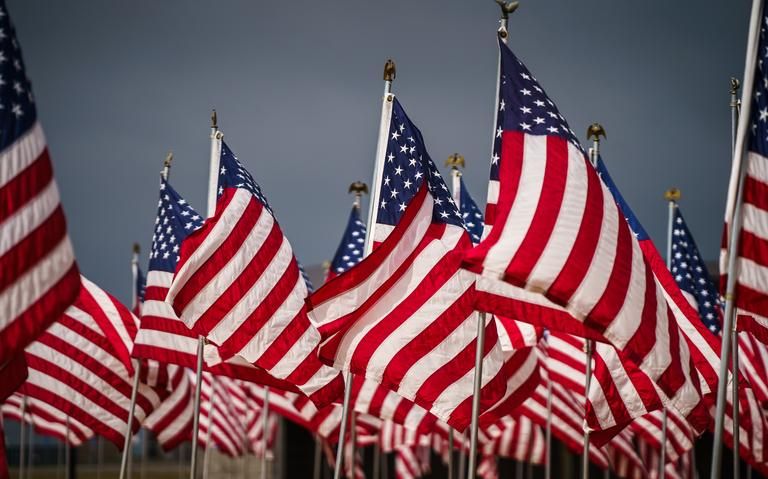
[(451, 326)]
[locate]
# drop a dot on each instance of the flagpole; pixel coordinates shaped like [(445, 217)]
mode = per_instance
[(318, 464), (462, 456), (67, 452), (734, 333), (506, 9), (22, 437), (548, 432), (672, 196), (734, 234), (137, 370), (594, 132), (213, 177), (455, 161), (381, 150), (265, 426)]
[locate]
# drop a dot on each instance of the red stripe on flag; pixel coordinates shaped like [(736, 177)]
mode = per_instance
[(25, 186)]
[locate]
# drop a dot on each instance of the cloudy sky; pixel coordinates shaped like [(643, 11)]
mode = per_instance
[(297, 86)]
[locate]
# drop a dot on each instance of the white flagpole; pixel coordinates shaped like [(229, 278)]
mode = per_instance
[(734, 333), (213, 179), (318, 464), (548, 432), (125, 461), (67, 452), (22, 438), (735, 232), (506, 9), (455, 161), (381, 150), (265, 432), (594, 132), (672, 196)]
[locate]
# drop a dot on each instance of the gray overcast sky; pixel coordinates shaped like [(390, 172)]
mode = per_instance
[(297, 86)]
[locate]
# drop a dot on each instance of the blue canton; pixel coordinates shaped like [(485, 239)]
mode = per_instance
[(524, 107), (691, 273), (350, 251), (758, 138), (470, 213), (232, 174), (629, 215), (406, 166), (17, 104), (175, 221)]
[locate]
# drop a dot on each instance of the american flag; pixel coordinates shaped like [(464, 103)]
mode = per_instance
[(171, 421), (141, 290), (751, 293), (350, 251), (38, 275), (470, 213), (404, 316), (553, 229), (81, 365), (46, 419), (691, 275), (238, 284), (162, 336)]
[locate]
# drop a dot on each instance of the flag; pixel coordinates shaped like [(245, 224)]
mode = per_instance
[(140, 291), (350, 250), (516, 437), (46, 419), (162, 336), (751, 291), (238, 284), (171, 421), (38, 275), (555, 232), (404, 316), (81, 365)]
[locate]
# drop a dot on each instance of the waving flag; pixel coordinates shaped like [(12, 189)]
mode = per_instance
[(46, 419), (81, 365), (751, 293), (238, 284), (162, 336), (38, 274), (404, 316), (350, 251), (554, 230)]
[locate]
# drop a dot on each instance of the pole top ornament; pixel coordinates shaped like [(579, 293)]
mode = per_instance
[(389, 70), (507, 7), (136, 248), (672, 194), (168, 159), (735, 84), (358, 188), (214, 119), (455, 161), (595, 131)]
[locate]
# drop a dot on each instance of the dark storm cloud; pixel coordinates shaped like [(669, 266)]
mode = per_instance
[(297, 86)]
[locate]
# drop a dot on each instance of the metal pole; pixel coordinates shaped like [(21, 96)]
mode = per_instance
[(735, 335), (381, 150), (318, 465), (479, 354), (129, 424), (343, 426), (377, 463), (663, 451), (734, 234), (450, 448), (548, 433), (462, 457), (265, 432), (594, 132), (213, 179), (31, 455), (67, 453), (587, 383), (22, 438)]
